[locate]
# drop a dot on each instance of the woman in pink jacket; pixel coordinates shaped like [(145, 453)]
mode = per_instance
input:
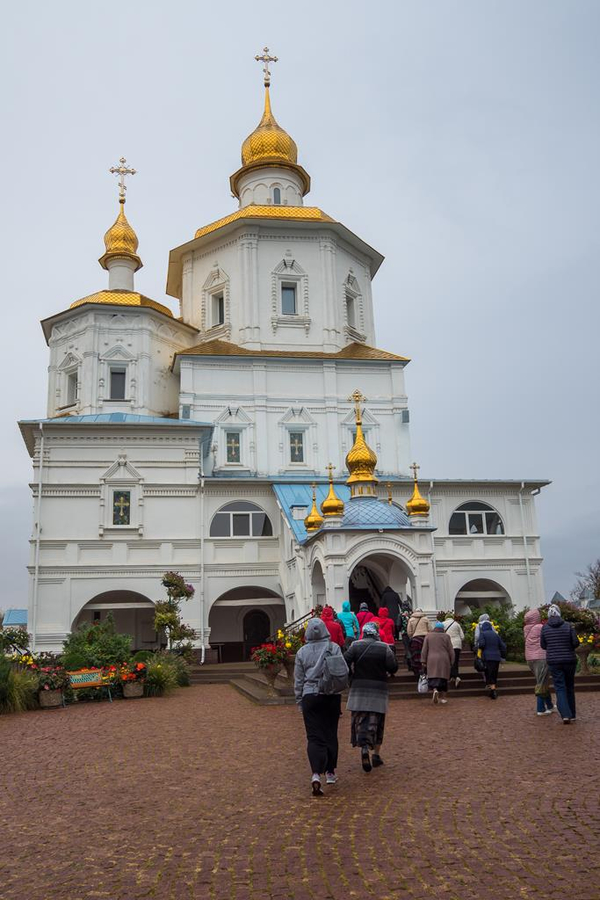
[(536, 660)]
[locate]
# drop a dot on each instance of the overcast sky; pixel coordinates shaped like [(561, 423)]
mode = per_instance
[(461, 139)]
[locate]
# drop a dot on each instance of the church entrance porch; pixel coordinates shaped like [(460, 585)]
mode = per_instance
[(479, 593), (133, 614), (372, 575), (243, 618)]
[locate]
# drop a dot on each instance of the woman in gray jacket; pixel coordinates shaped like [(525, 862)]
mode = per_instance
[(321, 712)]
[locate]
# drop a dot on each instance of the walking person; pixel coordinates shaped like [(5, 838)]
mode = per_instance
[(418, 626), (336, 632), (371, 662), (321, 712), (403, 618), (454, 631), (559, 640), (535, 657), (437, 657), (363, 616), (493, 651), (349, 623), (387, 631)]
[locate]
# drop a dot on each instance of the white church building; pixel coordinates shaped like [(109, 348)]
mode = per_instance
[(191, 442)]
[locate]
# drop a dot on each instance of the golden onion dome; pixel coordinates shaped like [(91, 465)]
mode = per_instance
[(314, 520), (361, 460), (121, 240), (117, 297), (332, 505), (417, 505), (269, 142)]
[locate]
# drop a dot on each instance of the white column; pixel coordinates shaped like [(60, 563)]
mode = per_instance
[(120, 273)]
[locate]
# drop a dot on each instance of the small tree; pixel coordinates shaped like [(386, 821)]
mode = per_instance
[(167, 613), (587, 581)]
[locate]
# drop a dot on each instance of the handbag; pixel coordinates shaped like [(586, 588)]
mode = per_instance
[(423, 685), (478, 664)]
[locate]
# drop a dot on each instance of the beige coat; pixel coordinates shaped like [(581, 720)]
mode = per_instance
[(418, 625), (437, 654)]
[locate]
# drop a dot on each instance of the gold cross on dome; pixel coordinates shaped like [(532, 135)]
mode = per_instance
[(330, 469), (266, 59), (389, 487), (357, 397), (415, 469), (122, 170)]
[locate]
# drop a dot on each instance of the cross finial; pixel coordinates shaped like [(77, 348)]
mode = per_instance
[(314, 490), (415, 469), (330, 469), (389, 487), (357, 397), (122, 170), (266, 59)]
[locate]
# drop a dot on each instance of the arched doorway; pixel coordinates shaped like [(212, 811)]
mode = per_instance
[(229, 633), (477, 594), (257, 628), (133, 614), (369, 578), (319, 593)]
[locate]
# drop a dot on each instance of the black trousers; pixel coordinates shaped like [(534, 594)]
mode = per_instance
[(321, 717), (454, 669), (491, 670)]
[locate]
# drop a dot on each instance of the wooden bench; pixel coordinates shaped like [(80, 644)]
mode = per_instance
[(89, 678)]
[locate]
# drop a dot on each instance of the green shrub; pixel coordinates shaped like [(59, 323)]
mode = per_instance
[(96, 644), (161, 676), (142, 655), (509, 623), (18, 688), (181, 669)]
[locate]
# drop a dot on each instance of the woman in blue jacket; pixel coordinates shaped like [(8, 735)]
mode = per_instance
[(349, 623), (493, 650), (559, 640)]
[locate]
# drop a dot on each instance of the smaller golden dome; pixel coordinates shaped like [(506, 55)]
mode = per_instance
[(332, 505), (417, 505), (121, 240), (314, 520), (361, 460), (269, 142)]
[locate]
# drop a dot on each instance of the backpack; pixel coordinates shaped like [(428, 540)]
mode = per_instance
[(334, 674)]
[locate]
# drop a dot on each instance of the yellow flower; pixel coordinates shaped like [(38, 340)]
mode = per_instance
[(288, 644)]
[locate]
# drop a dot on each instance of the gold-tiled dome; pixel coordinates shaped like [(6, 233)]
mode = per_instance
[(123, 298), (417, 505), (332, 505), (121, 240), (269, 142)]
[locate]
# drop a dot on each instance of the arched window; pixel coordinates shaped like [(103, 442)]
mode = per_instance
[(475, 517), (277, 196), (241, 519)]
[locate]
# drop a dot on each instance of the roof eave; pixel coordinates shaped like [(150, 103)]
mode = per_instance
[(48, 323)]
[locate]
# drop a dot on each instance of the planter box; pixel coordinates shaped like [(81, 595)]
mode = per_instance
[(50, 699), (133, 689)]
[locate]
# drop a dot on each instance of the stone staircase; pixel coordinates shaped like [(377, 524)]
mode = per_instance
[(513, 679)]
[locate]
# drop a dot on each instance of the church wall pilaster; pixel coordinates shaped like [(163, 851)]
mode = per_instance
[(327, 250)]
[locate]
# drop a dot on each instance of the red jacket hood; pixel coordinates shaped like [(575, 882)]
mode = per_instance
[(327, 613), (383, 612)]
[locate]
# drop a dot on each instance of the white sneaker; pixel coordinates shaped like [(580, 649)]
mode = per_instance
[(330, 778), (443, 701), (457, 681), (551, 710), (435, 697)]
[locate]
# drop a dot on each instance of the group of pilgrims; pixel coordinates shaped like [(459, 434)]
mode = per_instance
[(363, 647)]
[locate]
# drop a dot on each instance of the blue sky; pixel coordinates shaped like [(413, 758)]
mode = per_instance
[(461, 139)]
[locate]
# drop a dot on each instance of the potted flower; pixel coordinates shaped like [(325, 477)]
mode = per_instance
[(132, 676), (291, 642), (269, 659), (52, 681)]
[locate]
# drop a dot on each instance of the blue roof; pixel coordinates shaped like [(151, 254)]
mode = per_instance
[(116, 418), (366, 513), (15, 617)]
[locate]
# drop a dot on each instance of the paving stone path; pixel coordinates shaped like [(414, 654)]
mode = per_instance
[(203, 795)]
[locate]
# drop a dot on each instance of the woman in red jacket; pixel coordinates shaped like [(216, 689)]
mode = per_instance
[(334, 628), (386, 626)]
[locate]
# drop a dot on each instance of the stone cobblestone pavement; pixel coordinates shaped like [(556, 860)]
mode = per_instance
[(203, 795)]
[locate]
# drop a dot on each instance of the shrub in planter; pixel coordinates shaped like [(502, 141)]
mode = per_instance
[(18, 687), (95, 645), (161, 677), (142, 656)]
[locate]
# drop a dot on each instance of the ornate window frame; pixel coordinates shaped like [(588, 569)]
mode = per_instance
[(351, 290), (289, 271), (121, 476), (232, 419), (118, 357), (69, 366), (216, 283), (480, 508), (297, 418)]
